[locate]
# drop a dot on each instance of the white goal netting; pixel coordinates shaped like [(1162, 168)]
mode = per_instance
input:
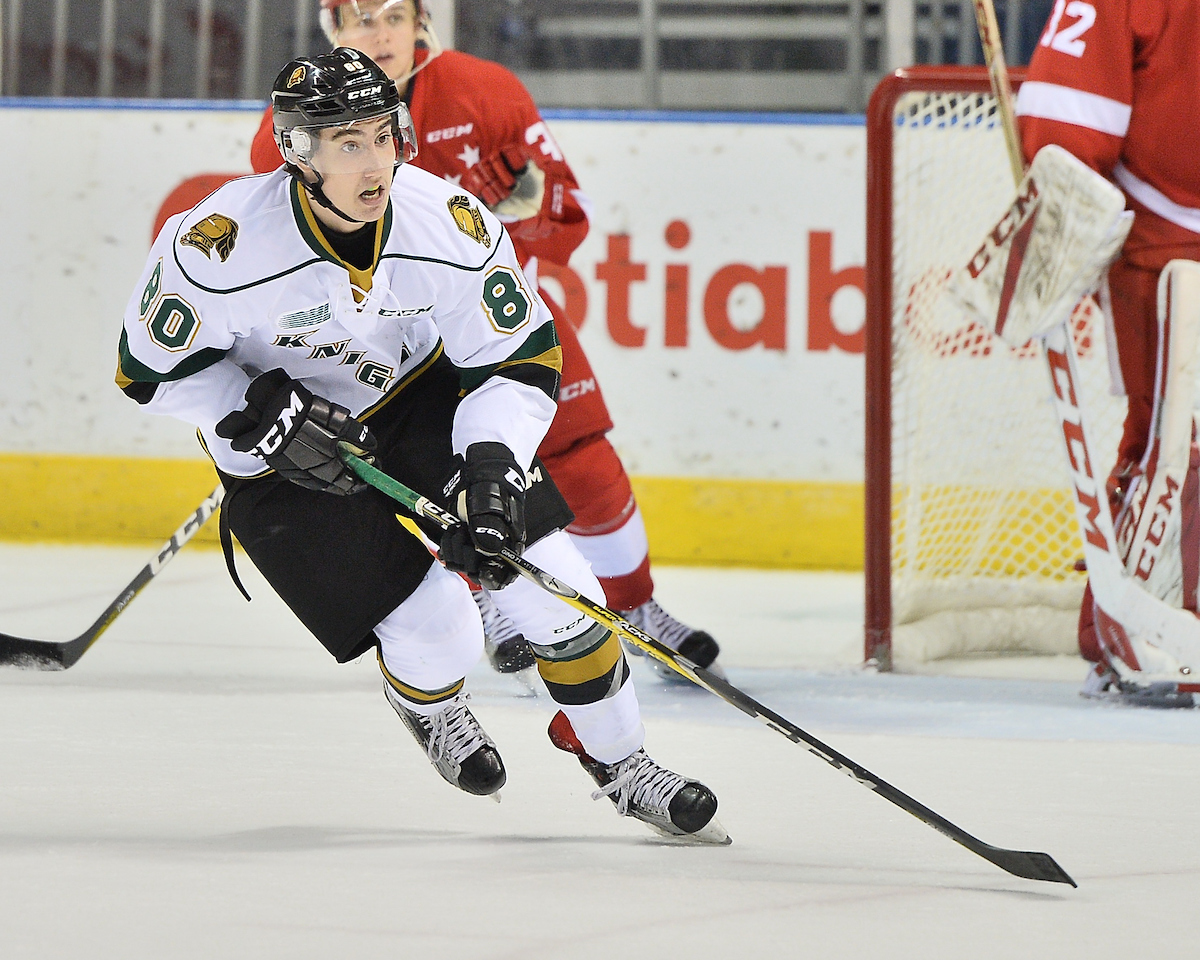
[(983, 533)]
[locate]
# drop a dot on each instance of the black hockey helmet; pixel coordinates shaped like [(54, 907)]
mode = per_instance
[(331, 90)]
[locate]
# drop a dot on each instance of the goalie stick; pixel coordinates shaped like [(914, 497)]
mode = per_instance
[(1028, 864), (49, 655), (1153, 648)]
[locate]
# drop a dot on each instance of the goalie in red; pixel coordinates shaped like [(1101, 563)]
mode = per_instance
[(1114, 82), (478, 127)]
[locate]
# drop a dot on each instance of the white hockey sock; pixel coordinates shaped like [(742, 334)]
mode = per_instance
[(433, 638), (609, 730), (617, 553)]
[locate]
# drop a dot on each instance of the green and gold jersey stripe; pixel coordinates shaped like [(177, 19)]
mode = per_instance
[(540, 350), (314, 236)]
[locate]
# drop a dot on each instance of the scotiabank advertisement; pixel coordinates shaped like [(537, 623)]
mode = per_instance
[(719, 294), (721, 291)]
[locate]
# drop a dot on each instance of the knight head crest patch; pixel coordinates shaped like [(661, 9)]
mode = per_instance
[(296, 77), (214, 232), (469, 219)]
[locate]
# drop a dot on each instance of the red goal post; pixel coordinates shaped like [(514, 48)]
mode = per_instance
[(970, 534)]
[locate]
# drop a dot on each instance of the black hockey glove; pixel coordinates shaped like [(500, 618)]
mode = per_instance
[(489, 494), (297, 433)]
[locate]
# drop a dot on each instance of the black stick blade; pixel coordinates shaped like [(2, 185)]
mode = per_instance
[(1028, 864), (31, 654)]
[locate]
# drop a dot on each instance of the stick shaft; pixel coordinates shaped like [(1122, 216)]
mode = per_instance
[(993, 54)]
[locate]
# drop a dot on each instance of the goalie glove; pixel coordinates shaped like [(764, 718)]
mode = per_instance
[(297, 433), (508, 182), (488, 493)]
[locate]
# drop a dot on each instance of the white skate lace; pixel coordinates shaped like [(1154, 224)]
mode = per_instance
[(642, 784), (454, 732), (496, 626), (654, 620)]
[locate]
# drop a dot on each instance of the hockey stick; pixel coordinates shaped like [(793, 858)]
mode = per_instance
[(48, 655), (1028, 864)]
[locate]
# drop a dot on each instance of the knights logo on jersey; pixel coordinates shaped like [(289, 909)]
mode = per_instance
[(214, 232), (296, 77), (469, 219)]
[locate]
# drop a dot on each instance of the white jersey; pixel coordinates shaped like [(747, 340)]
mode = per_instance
[(246, 282)]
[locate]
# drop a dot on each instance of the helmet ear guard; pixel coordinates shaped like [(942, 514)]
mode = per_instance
[(406, 135), (296, 145)]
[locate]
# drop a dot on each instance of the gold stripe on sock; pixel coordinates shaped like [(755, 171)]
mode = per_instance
[(596, 664), (415, 694)]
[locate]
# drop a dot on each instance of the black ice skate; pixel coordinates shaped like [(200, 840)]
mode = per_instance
[(678, 809), (507, 649), (457, 745), (697, 645)]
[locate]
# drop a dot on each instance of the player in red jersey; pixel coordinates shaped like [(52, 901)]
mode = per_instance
[(478, 127), (1115, 82)]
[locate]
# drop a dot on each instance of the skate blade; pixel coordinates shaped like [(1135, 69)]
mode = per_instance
[(712, 834)]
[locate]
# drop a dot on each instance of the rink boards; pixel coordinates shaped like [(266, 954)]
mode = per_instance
[(719, 295)]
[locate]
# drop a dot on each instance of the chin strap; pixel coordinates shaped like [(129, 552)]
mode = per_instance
[(316, 191)]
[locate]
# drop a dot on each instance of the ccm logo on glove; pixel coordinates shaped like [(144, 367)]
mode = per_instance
[(275, 436), (297, 433)]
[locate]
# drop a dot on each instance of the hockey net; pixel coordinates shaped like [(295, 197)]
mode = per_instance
[(971, 539)]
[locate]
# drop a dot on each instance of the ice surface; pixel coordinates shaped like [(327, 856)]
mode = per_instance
[(207, 783)]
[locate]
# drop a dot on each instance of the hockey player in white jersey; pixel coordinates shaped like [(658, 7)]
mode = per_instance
[(351, 296)]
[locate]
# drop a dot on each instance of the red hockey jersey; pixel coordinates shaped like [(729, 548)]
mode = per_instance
[(1117, 82), (465, 109)]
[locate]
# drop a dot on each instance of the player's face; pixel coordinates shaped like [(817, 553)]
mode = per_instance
[(385, 30), (357, 162)]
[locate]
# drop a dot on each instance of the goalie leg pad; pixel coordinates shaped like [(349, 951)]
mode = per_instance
[(1156, 530), (1143, 639)]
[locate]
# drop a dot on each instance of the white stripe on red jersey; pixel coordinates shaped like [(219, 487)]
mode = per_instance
[(1156, 200), (1052, 101)]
